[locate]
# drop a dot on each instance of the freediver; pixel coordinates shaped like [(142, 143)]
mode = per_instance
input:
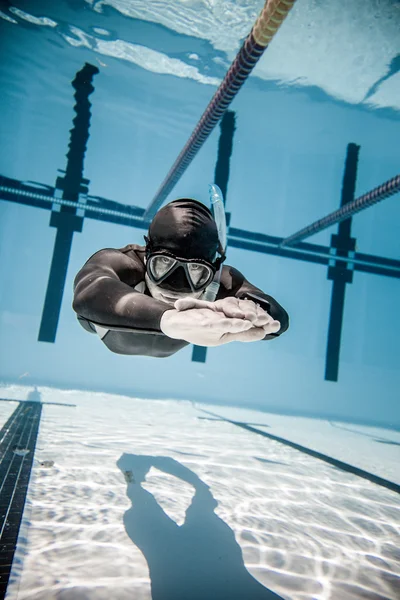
[(154, 300)]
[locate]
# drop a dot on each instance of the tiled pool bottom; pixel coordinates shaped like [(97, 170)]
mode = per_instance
[(121, 486)]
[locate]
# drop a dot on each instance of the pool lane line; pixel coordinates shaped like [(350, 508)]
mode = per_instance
[(42, 403), (390, 485), (18, 439)]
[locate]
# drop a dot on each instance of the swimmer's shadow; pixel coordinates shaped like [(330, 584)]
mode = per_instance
[(197, 560)]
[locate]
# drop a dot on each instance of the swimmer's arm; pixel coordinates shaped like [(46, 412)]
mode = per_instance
[(235, 284), (102, 293)]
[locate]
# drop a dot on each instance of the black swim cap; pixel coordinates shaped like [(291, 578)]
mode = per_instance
[(186, 228)]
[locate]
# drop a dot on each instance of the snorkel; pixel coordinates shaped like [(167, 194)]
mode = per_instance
[(218, 209)]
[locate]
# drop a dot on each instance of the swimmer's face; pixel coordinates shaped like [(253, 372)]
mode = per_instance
[(168, 296)]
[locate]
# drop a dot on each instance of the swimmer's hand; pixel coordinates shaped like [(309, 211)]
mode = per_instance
[(206, 326), (237, 309)]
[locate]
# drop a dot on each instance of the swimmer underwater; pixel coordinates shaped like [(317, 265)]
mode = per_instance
[(154, 300)]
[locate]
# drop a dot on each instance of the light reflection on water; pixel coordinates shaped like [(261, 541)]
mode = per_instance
[(305, 529)]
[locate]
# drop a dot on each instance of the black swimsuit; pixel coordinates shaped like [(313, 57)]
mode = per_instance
[(127, 319)]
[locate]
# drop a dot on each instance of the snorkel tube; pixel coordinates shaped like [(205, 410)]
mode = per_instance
[(218, 209)]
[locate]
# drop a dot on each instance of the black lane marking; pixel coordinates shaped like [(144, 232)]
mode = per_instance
[(42, 403), (222, 419), (328, 459), (17, 447), (199, 354), (66, 221), (340, 273)]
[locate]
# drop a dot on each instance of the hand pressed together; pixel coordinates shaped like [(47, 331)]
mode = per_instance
[(235, 308), (216, 323)]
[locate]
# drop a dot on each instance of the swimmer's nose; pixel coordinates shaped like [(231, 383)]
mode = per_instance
[(177, 282)]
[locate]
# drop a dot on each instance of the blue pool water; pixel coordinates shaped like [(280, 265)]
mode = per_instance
[(109, 445)]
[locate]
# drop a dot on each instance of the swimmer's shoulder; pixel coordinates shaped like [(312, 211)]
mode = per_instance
[(134, 251), (127, 263), (132, 254)]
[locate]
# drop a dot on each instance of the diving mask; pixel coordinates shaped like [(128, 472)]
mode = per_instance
[(161, 266)]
